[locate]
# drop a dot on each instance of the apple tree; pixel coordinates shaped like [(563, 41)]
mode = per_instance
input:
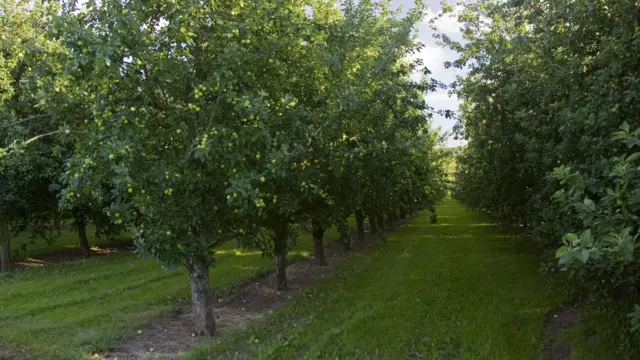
[(28, 161), (191, 122)]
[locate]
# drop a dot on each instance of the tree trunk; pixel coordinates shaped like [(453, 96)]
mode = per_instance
[(57, 223), (381, 222), (318, 235), (345, 239), (391, 218), (373, 225), (403, 213), (5, 245), (82, 235), (280, 248), (360, 225), (204, 322)]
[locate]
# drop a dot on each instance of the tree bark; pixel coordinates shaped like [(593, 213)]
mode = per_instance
[(280, 248), (373, 225), (343, 229), (317, 232), (82, 235), (204, 322), (391, 218), (381, 222), (5, 245), (360, 225), (57, 223)]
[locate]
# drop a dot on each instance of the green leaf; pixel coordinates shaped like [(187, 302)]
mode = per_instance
[(626, 250), (589, 204), (571, 237), (564, 259), (633, 157), (584, 255), (619, 135), (561, 251)]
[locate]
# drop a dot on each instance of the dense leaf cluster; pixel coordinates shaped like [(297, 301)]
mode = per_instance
[(548, 85)]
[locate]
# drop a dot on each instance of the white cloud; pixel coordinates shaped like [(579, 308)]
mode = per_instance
[(434, 57), (448, 23)]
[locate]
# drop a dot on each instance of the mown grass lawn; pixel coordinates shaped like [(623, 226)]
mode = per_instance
[(452, 290), (69, 310)]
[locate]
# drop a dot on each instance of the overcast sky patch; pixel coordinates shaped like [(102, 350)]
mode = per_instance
[(434, 57)]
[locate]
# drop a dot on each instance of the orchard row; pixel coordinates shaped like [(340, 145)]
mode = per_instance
[(551, 117), (202, 122)]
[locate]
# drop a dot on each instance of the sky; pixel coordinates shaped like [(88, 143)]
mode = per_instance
[(434, 56)]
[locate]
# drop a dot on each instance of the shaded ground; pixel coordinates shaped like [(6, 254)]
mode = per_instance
[(66, 256), (557, 321), (65, 240)]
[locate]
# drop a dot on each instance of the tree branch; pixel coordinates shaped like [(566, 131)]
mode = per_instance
[(40, 136), (22, 120)]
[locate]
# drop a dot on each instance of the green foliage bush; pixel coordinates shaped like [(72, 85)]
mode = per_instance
[(548, 84), (602, 203)]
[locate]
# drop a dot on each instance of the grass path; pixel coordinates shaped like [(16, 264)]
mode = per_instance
[(452, 290)]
